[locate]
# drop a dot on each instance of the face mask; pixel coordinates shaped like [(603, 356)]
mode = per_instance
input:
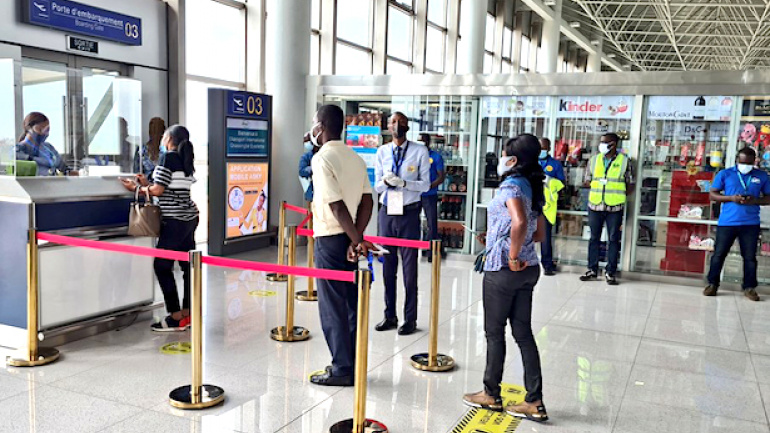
[(163, 148), (543, 154), (308, 146), (745, 168), (314, 138), (38, 139), (400, 131), (502, 166), (604, 148)]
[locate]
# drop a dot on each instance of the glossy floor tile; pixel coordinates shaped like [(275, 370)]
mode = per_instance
[(639, 357)]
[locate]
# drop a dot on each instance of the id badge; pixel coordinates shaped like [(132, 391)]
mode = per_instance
[(603, 181), (395, 202)]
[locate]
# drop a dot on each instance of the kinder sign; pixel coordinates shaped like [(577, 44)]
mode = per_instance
[(600, 107)]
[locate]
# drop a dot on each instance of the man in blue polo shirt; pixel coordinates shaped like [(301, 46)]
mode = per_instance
[(741, 190), (552, 169), (430, 198)]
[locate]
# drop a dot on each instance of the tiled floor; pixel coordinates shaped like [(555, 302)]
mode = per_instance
[(638, 358)]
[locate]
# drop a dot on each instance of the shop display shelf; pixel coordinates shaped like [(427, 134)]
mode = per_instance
[(453, 193)]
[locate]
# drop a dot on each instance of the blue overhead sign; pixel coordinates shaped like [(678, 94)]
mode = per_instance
[(84, 19), (247, 104)]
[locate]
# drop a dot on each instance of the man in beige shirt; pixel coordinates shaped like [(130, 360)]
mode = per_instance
[(341, 190)]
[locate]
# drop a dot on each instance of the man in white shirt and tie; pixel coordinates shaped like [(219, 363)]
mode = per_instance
[(402, 174)]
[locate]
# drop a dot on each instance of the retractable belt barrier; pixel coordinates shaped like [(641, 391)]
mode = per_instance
[(198, 395)]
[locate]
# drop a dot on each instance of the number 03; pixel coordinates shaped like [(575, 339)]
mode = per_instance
[(132, 31), (254, 105)]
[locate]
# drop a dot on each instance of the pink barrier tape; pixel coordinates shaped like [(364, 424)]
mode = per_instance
[(391, 242), (324, 274), (116, 248), (297, 209), (306, 220)]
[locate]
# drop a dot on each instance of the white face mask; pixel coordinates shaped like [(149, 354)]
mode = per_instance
[(745, 168), (502, 165), (604, 148), (314, 138)]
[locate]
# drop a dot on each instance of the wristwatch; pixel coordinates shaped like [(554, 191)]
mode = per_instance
[(513, 261)]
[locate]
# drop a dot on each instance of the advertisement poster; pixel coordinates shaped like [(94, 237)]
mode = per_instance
[(363, 136), (712, 108), (373, 118), (596, 107), (535, 107), (369, 155), (246, 137), (247, 199)]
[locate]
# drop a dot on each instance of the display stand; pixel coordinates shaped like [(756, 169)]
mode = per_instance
[(240, 137)]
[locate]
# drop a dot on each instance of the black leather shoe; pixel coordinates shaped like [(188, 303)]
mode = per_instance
[(611, 280), (549, 273), (387, 324), (589, 276), (326, 379), (407, 328)]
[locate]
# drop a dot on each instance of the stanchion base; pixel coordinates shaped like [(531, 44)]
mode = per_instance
[(421, 361), (211, 395), (277, 278), (303, 296), (45, 356), (370, 426), (298, 334)]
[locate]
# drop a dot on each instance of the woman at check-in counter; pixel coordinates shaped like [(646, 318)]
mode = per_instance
[(149, 155), (33, 146), (171, 183)]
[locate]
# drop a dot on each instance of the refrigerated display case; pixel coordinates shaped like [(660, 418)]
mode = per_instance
[(580, 123), (684, 145)]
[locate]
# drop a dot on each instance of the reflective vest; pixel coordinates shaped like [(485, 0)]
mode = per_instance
[(608, 187), (551, 191)]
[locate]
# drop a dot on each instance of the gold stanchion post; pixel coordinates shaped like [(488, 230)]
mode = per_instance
[(434, 361), (280, 278), (359, 423), (33, 356), (197, 395), (309, 294), (290, 333)]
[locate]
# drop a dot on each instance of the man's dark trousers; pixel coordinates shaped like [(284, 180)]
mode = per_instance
[(748, 237), (406, 226), (337, 303)]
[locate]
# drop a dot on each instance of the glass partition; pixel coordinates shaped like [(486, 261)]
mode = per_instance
[(503, 117), (684, 144), (7, 118), (580, 123)]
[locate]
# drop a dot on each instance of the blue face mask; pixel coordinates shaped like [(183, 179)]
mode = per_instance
[(543, 154), (38, 139), (163, 148), (308, 146)]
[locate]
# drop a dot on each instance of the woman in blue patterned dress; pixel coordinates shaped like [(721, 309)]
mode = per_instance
[(511, 270)]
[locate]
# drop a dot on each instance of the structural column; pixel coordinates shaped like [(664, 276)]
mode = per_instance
[(286, 81), (550, 43), (473, 36), (595, 59), (177, 70)]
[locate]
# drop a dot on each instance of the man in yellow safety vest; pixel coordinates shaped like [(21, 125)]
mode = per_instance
[(610, 175)]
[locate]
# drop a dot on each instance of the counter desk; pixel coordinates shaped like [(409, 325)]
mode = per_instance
[(76, 285)]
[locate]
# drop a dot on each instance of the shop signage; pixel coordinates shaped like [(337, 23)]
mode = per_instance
[(247, 137), (247, 104), (712, 108), (599, 107), (247, 200), (84, 19), (517, 106), (82, 45), (756, 108)]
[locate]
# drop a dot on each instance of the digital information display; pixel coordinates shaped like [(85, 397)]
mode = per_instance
[(247, 138)]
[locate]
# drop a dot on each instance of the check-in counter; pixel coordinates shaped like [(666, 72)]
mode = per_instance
[(75, 284)]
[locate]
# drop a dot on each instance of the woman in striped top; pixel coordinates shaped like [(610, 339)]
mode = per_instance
[(171, 184)]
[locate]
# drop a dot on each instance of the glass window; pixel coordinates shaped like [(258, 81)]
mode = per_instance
[(354, 21), (352, 61), (434, 49), (507, 42), (409, 4), (489, 36), (399, 34), (526, 44), (315, 48), (220, 50), (315, 15), (488, 60), (437, 12), (397, 68)]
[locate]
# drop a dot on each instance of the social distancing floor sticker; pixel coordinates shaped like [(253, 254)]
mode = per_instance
[(177, 348), (489, 421)]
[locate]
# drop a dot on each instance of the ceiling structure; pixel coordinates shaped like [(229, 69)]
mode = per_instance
[(676, 35)]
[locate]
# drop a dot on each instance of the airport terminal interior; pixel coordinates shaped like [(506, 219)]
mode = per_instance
[(656, 112)]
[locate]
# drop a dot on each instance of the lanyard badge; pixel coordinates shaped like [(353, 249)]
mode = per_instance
[(743, 183)]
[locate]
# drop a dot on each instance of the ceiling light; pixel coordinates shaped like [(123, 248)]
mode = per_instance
[(626, 66), (595, 42), (611, 56), (574, 25), (550, 2)]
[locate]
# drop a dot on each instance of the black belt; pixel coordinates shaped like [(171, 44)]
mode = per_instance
[(413, 206)]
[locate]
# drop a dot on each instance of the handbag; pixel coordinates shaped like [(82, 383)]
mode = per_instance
[(144, 218), (481, 258)]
